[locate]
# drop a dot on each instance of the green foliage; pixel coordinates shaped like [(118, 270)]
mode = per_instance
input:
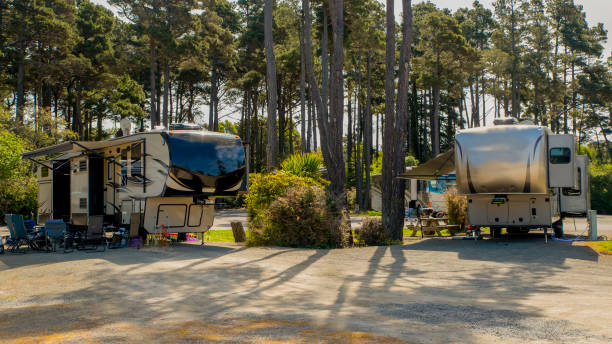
[(588, 151), (457, 207), (265, 188), (304, 165), (236, 202), (303, 217), (11, 147), (601, 188), (18, 195), (376, 166), (18, 189)]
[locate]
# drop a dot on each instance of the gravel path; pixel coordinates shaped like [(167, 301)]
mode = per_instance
[(430, 291)]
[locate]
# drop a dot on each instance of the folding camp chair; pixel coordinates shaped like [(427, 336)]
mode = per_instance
[(95, 235), (55, 230), (19, 236)]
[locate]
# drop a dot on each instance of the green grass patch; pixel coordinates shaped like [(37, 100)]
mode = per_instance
[(602, 246), (408, 232), (371, 213), (224, 235)]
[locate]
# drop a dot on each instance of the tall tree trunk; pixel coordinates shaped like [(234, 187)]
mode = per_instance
[(357, 159), (99, 124), (216, 110), (272, 152), (166, 93), (435, 118), (314, 123), (20, 107), (338, 174), (211, 102), (377, 131), (388, 139), (349, 135), (484, 108), (367, 137), (310, 126), (401, 118), (516, 111), (178, 92), (330, 127), (476, 108), (171, 104), (281, 119), (302, 91), (325, 64), (152, 68), (565, 127)]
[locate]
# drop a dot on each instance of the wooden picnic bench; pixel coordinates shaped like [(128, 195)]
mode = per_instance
[(433, 226)]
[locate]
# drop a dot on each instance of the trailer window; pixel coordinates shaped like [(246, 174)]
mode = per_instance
[(44, 172), (560, 155), (195, 215), (124, 167), (171, 215), (109, 171), (136, 156)]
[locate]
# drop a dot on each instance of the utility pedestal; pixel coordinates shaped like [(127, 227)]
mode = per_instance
[(592, 219)]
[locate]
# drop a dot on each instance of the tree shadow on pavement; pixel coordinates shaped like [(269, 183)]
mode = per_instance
[(430, 291)]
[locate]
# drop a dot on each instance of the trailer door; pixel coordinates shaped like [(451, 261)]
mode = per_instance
[(561, 161)]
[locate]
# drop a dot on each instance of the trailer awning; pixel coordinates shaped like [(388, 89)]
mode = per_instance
[(443, 163), (64, 148)]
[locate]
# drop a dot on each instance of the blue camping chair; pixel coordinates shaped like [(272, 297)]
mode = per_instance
[(19, 235), (55, 230)]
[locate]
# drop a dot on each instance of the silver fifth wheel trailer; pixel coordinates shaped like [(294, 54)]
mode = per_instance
[(518, 177), (170, 177)]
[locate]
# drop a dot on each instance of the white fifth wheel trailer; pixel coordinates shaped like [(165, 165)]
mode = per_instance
[(170, 177), (518, 177)]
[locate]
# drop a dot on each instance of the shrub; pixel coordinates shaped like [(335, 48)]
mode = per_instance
[(236, 201), (457, 207), (372, 232), (18, 195), (265, 188), (303, 217), (601, 188), (304, 165)]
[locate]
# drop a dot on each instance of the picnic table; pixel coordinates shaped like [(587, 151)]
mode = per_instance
[(432, 225)]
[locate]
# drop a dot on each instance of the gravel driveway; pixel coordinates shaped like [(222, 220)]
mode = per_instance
[(430, 291)]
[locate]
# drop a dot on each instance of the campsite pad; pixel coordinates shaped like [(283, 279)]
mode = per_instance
[(429, 291)]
